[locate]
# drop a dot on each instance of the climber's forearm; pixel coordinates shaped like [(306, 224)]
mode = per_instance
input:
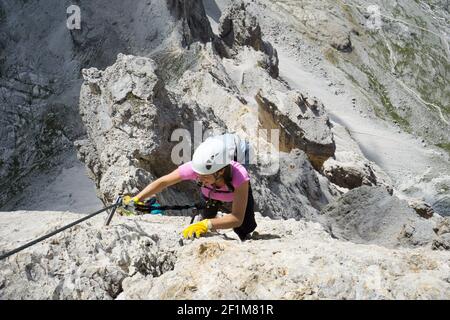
[(159, 185), (236, 218), (228, 221), (152, 189)]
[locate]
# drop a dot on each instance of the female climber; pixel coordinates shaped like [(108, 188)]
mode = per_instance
[(224, 183)]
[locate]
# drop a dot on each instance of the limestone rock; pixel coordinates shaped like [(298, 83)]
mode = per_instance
[(140, 101), (129, 117), (442, 204), (130, 102), (143, 258), (342, 42), (351, 176), (442, 229), (422, 208), (443, 226), (297, 191), (190, 14), (350, 170), (442, 243), (84, 262), (371, 215), (238, 28), (39, 88), (302, 122)]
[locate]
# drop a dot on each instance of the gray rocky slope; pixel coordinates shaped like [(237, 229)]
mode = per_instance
[(41, 62), (143, 101), (40, 70), (144, 83), (369, 62), (144, 258)]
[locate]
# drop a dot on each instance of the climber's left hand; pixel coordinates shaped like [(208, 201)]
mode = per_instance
[(197, 229)]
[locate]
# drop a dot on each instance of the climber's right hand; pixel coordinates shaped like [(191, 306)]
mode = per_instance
[(131, 201)]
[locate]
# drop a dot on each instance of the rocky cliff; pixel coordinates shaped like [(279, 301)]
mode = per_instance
[(143, 101), (40, 69), (339, 110), (371, 64)]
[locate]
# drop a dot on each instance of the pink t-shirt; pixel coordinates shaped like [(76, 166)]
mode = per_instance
[(239, 176)]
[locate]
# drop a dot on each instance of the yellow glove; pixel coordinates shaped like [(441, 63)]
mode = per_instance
[(127, 200), (197, 229), (128, 205)]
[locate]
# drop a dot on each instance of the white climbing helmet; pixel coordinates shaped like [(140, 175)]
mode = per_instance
[(211, 156)]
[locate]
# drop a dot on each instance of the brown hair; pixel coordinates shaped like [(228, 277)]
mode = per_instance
[(228, 177)]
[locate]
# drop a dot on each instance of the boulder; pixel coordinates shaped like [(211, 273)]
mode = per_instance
[(350, 176), (422, 208), (371, 215), (342, 42), (350, 170), (191, 18)]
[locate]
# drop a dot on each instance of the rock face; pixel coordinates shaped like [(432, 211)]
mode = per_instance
[(422, 208), (370, 215), (380, 47), (129, 103), (60, 267), (351, 171), (132, 108), (143, 258), (342, 42), (302, 122), (238, 28), (159, 70), (41, 62), (401, 81), (443, 231), (349, 168), (296, 185), (191, 16)]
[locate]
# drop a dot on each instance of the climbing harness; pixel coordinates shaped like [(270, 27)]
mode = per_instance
[(149, 207), (212, 206)]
